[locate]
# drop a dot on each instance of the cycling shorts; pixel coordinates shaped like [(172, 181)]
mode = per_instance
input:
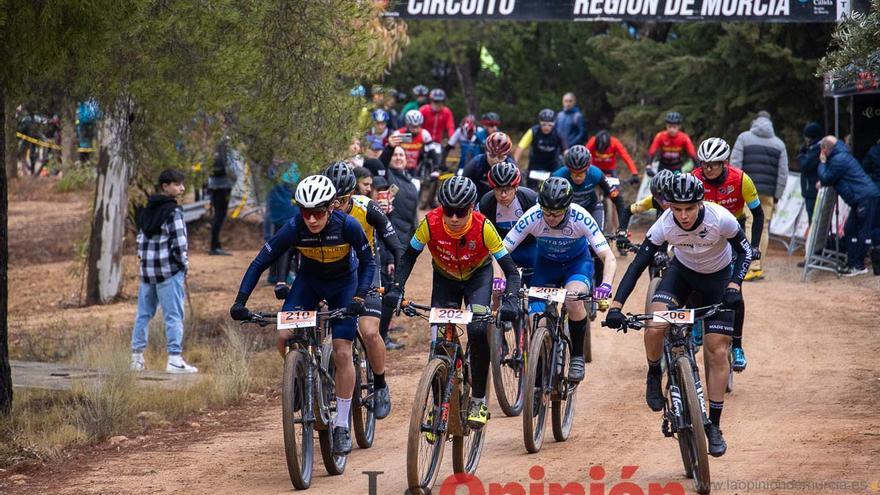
[(305, 295), (681, 284), (373, 301), (555, 274)]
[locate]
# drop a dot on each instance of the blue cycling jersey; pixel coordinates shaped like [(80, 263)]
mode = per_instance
[(585, 192), (563, 243)]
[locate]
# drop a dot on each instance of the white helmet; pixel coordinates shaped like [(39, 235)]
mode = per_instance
[(713, 150), (414, 118), (315, 191)]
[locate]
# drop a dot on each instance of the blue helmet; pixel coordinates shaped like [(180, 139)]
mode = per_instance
[(379, 115)]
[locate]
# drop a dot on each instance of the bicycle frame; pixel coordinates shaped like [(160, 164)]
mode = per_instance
[(676, 344)]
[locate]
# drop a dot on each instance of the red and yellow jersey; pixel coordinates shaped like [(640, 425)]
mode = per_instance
[(735, 192), (414, 149), (673, 149), (458, 257), (607, 161)]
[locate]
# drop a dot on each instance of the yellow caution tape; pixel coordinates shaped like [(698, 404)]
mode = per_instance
[(46, 144), (244, 196)]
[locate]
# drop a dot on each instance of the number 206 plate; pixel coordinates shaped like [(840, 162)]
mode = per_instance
[(548, 293), (455, 316), (676, 316), (297, 319)]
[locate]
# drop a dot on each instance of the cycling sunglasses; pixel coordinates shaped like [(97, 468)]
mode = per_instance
[(553, 213), (711, 164), (316, 213), (457, 212)]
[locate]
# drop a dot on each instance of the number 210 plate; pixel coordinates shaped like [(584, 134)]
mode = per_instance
[(297, 319)]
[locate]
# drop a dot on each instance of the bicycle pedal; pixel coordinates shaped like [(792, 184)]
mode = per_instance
[(667, 432)]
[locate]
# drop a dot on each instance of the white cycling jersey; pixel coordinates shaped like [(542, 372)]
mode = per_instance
[(703, 249), (563, 244)]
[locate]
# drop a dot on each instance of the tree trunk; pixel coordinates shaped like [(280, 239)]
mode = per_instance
[(465, 78), (5, 370), (104, 265), (11, 144), (68, 132)]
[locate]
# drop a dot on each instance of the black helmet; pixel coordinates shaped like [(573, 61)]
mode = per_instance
[(342, 176), (555, 194), (603, 141), (504, 174), (673, 118), (577, 158), (546, 115), (684, 188), (660, 183), (457, 192)]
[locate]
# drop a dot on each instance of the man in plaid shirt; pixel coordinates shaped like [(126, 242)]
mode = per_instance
[(161, 240)]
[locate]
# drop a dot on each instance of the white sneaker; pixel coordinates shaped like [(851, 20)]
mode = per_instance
[(137, 361), (176, 364)]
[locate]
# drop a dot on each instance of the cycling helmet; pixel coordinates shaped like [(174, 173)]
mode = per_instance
[(555, 194), (603, 141), (342, 176), (379, 115), (498, 144), (437, 94), (504, 174), (673, 118), (420, 90), (577, 158), (546, 115), (315, 191), (713, 150), (490, 119), (684, 188), (469, 126), (457, 192), (414, 118), (660, 183)]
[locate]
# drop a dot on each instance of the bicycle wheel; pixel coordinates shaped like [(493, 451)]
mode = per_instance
[(506, 352), (537, 389), (298, 431), (425, 444), (467, 449), (652, 288), (562, 408), (697, 442), (729, 388), (363, 418), (333, 463)]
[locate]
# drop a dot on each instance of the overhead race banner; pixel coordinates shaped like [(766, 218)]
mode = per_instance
[(630, 10)]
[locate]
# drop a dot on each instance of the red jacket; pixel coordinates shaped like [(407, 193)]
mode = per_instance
[(438, 123), (607, 161), (672, 149)]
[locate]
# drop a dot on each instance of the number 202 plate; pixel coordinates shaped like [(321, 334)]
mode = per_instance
[(454, 316), (297, 319), (674, 316), (548, 293)]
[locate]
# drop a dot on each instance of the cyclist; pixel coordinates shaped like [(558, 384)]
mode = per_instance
[(477, 170), (733, 189), (605, 150), (336, 265), (489, 124), (654, 201), (672, 147), (421, 94), (565, 232), (375, 224), (380, 130), (462, 243), (466, 139), (545, 146), (438, 117), (584, 178), (504, 205), (412, 138), (707, 241)]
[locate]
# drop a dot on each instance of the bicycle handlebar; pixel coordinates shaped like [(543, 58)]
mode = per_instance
[(635, 321), (263, 318)]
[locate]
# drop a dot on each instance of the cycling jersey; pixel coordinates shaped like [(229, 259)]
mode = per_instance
[(468, 148), (438, 123), (477, 170), (545, 150), (673, 149), (458, 258), (565, 243), (370, 216), (415, 148), (339, 250), (506, 216), (584, 194), (607, 161), (733, 189)]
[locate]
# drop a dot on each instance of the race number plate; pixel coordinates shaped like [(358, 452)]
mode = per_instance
[(675, 316), (548, 293), (539, 175), (297, 319), (447, 315), (613, 181)]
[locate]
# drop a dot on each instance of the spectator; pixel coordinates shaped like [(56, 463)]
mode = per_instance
[(545, 146), (808, 160), (280, 208), (570, 122), (389, 106), (871, 163), (162, 251), (421, 94), (220, 185), (439, 121), (364, 181), (465, 138), (761, 155), (380, 129), (839, 169), (374, 151)]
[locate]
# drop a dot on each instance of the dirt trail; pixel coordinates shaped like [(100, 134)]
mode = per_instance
[(804, 411)]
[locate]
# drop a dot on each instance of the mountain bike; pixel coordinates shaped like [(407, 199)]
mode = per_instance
[(656, 269), (440, 404), (546, 376), (684, 413), (308, 398), (508, 346)]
